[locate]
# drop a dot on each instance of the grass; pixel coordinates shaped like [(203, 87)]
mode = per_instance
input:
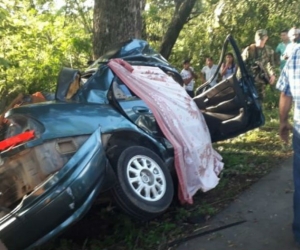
[(247, 158)]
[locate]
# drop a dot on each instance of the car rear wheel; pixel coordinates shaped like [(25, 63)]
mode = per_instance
[(145, 187)]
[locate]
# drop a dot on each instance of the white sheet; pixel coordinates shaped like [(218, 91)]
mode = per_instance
[(197, 163)]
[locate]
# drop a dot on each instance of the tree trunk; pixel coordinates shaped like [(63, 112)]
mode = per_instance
[(116, 21), (182, 12)]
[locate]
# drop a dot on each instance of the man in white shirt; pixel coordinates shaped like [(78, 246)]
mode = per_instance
[(209, 71), (188, 75)]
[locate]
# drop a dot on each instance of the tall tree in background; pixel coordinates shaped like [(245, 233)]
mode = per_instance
[(116, 21), (37, 37), (183, 9)]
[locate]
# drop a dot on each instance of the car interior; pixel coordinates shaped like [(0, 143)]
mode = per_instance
[(230, 107)]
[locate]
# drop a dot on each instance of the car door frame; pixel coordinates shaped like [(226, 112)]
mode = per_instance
[(237, 94)]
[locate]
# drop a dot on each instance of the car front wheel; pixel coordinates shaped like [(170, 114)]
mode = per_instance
[(145, 187)]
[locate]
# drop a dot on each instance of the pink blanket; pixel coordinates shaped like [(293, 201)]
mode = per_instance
[(197, 163)]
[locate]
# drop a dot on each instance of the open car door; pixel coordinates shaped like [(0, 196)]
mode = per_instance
[(231, 107)]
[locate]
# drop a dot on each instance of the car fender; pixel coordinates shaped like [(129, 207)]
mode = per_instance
[(58, 202)]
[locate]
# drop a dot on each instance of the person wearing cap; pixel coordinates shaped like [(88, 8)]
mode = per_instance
[(293, 35), (259, 59), (281, 47), (189, 76)]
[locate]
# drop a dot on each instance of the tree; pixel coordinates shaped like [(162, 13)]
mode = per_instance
[(116, 21), (183, 9), (37, 37)]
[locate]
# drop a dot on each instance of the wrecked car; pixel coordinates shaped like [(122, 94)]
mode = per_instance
[(58, 156)]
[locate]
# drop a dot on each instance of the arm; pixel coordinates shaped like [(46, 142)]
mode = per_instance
[(187, 78), (223, 69), (285, 105), (202, 75), (186, 81), (195, 76), (286, 53), (271, 66), (245, 55), (202, 78)]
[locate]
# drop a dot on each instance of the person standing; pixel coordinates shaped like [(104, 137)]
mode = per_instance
[(189, 76), (280, 49), (228, 68), (208, 71), (259, 59), (293, 35), (289, 86)]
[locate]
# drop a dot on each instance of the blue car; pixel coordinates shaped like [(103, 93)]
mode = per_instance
[(64, 153)]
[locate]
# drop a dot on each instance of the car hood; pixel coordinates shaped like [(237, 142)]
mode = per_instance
[(63, 119)]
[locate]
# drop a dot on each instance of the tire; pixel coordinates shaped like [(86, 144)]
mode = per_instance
[(145, 186)]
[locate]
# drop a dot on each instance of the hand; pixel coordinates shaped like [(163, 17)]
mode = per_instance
[(272, 79), (284, 131), (194, 75), (192, 71)]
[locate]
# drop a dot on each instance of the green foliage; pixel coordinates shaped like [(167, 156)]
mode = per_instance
[(38, 38), (212, 20), (156, 22), (272, 95), (36, 41)]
